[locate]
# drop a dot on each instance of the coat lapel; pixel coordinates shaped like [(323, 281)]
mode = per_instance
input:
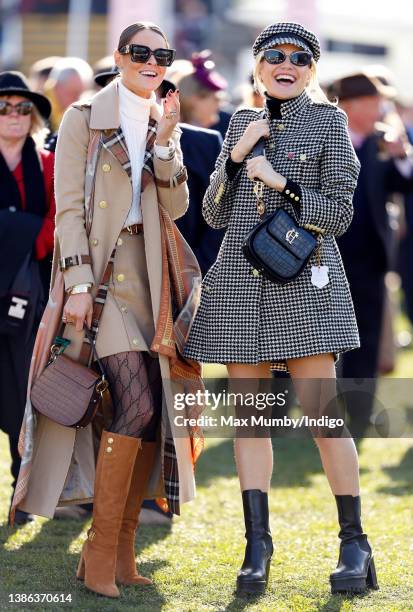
[(115, 143)]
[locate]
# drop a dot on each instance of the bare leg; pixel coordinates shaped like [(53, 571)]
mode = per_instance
[(338, 455), (253, 456)]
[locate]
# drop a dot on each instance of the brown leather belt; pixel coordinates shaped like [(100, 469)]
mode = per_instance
[(134, 230)]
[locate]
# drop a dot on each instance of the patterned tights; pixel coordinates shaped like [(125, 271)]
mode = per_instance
[(136, 388)]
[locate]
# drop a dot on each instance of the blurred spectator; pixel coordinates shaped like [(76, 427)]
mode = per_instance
[(200, 149), (40, 71), (69, 79), (367, 247), (193, 25), (27, 211), (405, 263), (250, 97), (201, 92), (104, 71), (104, 78)]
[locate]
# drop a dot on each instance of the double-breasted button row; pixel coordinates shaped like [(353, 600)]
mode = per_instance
[(109, 449)]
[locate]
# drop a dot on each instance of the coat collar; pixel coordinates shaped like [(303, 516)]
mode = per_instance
[(294, 105), (104, 108)]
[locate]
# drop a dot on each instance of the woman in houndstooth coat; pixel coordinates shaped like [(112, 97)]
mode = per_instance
[(250, 323)]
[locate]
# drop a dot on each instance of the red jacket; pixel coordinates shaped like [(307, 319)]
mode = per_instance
[(45, 238)]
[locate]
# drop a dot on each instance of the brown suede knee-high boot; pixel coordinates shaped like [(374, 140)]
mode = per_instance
[(97, 565), (126, 570)]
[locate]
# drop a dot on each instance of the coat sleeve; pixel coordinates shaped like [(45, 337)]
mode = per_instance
[(171, 180), (330, 207), (70, 169), (217, 203)]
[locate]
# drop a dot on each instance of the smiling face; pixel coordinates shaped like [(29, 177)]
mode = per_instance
[(284, 80), (14, 127), (142, 79)]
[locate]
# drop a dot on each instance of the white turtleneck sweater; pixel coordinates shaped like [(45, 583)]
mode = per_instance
[(134, 116)]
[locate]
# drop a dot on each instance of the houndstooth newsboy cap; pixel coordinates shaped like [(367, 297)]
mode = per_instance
[(287, 33)]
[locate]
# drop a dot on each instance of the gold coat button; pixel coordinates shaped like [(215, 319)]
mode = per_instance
[(110, 440), (135, 342), (123, 308), (303, 156), (95, 242), (103, 204), (271, 145), (296, 198), (255, 272), (292, 195), (109, 449), (106, 168), (119, 242), (287, 191), (120, 278), (281, 127)]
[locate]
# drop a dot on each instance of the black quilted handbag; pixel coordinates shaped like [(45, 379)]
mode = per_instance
[(279, 248)]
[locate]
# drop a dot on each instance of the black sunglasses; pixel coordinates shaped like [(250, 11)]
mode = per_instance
[(298, 58), (141, 54), (22, 108)]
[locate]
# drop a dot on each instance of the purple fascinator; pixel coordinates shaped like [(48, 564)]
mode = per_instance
[(204, 71)]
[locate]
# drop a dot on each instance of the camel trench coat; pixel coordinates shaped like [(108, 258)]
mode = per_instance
[(63, 463)]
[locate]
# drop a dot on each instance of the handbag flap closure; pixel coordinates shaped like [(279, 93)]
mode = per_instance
[(78, 373), (295, 239)]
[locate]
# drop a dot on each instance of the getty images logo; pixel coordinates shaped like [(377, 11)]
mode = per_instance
[(18, 308)]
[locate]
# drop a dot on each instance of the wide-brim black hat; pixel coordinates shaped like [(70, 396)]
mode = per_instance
[(103, 78), (13, 83)]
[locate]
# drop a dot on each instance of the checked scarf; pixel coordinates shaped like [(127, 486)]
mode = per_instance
[(181, 280)]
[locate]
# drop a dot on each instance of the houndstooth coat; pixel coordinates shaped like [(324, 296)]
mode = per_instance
[(246, 318)]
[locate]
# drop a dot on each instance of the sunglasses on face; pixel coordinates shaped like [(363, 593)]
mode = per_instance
[(298, 58), (141, 54), (22, 108)]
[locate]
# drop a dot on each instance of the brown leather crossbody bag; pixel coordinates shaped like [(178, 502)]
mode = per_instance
[(72, 392), (69, 392)]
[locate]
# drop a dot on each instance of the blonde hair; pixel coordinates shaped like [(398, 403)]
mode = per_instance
[(313, 88), (39, 129)]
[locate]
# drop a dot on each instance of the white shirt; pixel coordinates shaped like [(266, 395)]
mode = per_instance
[(134, 117)]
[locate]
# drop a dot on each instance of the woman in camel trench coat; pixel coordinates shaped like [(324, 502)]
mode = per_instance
[(92, 220)]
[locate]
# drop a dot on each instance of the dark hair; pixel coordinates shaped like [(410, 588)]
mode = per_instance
[(129, 32)]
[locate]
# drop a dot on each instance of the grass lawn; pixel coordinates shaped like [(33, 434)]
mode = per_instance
[(194, 564)]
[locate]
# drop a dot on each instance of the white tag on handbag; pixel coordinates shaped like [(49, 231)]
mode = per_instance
[(319, 276)]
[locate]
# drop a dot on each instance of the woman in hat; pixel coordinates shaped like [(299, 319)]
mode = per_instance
[(119, 184), (252, 324), (201, 88), (27, 211)]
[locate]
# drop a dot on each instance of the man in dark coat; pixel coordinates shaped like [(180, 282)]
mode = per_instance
[(368, 247), (200, 149)]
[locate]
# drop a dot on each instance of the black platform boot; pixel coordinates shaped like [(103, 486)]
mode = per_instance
[(253, 575), (355, 571)]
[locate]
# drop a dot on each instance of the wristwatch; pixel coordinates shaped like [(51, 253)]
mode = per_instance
[(86, 288)]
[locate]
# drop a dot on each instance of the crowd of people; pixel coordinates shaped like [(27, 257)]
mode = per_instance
[(39, 117)]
